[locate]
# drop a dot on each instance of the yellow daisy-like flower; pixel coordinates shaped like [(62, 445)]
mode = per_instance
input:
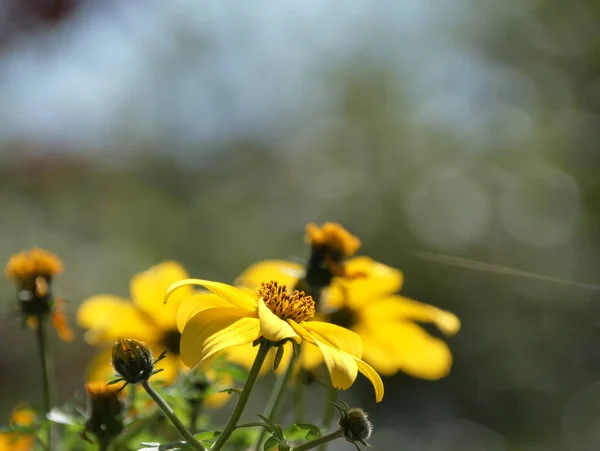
[(236, 318), (143, 318), (360, 296), (32, 272), (20, 416)]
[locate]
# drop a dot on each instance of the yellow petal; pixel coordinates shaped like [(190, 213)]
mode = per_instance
[(100, 368), (338, 337), (342, 366), (272, 327), (238, 298), (214, 330), (110, 317), (405, 346), (372, 375), (170, 366), (367, 280), (399, 307), (284, 272), (148, 289), (196, 304)]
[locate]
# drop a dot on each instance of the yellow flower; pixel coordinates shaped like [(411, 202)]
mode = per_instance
[(32, 272), (360, 296), (14, 441), (236, 318), (144, 318)]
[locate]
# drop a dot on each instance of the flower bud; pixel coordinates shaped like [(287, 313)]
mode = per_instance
[(105, 411), (355, 425), (132, 360)]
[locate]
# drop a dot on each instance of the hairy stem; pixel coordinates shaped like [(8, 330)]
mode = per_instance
[(45, 366)]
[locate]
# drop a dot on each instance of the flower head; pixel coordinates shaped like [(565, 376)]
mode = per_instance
[(32, 272), (236, 317), (361, 296), (330, 246), (105, 411)]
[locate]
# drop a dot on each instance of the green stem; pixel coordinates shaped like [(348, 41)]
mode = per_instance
[(298, 401), (45, 363), (263, 350), (321, 441), (251, 425), (174, 418), (329, 411), (276, 398), (195, 408)]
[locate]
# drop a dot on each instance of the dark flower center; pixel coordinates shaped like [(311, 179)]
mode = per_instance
[(344, 317), (171, 340)]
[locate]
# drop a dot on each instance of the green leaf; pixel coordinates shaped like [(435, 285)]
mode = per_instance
[(270, 444), (173, 446), (207, 436), (271, 427), (300, 431), (278, 357), (231, 390)]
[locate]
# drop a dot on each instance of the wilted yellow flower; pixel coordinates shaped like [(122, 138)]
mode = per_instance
[(13, 441), (360, 295), (32, 272), (236, 318)]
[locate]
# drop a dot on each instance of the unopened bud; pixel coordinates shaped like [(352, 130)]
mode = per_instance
[(355, 425), (132, 360), (105, 411)]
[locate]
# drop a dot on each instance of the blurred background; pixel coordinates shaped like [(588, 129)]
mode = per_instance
[(212, 131)]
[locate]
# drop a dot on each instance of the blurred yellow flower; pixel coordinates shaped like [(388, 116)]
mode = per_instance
[(14, 441), (32, 272), (237, 318), (144, 318), (360, 296)]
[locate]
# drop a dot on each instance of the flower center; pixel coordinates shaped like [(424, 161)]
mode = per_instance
[(344, 317), (170, 340), (330, 246), (298, 306)]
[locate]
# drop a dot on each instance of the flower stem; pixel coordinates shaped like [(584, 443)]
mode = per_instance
[(321, 441), (329, 411), (174, 418), (45, 364), (298, 401), (276, 399), (195, 409), (263, 350)]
